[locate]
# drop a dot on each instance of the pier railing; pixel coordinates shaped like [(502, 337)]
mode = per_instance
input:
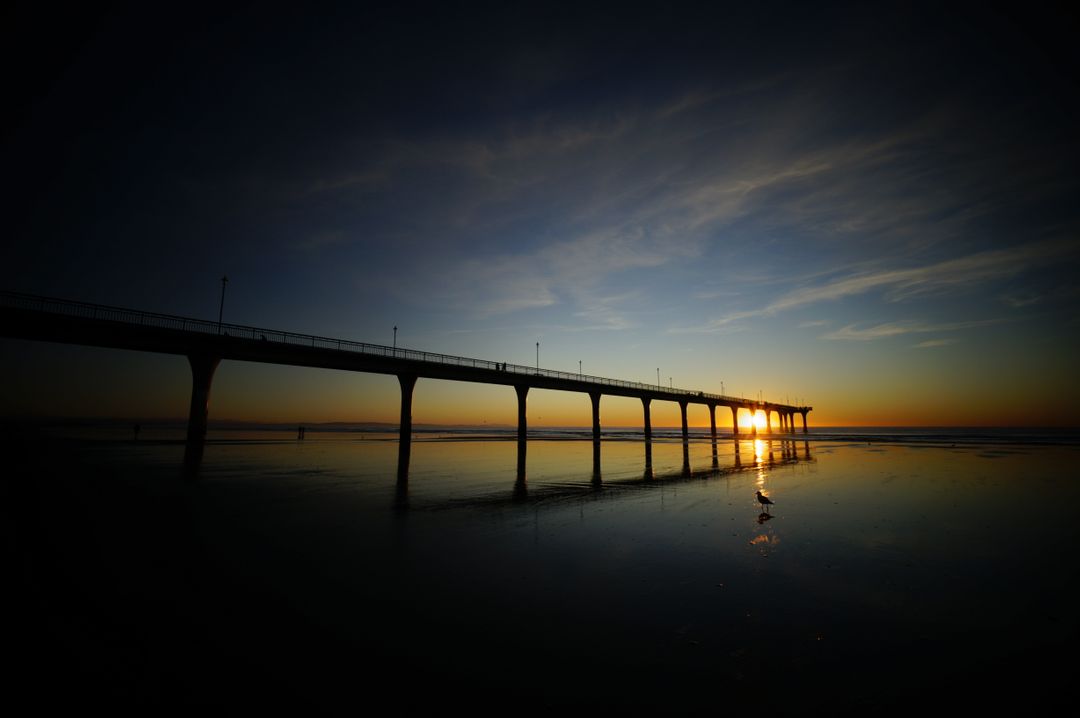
[(136, 317)]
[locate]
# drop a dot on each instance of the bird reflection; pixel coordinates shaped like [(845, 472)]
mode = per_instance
[(763, 517)]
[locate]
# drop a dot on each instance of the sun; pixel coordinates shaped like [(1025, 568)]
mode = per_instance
[(756, 420)]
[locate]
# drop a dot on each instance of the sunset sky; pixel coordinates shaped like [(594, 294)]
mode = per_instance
[(870, 208)]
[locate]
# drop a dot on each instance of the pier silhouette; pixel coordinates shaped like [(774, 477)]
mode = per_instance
[(206, 343)]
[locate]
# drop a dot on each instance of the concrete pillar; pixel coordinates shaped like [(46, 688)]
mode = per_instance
[(648, 421), (734, 421), (712, 421), (202, 374), (408, 383), (685, 428), (522, 393), (768, 421), (595, 396), (596, 463), (753, 420), (805, 429)]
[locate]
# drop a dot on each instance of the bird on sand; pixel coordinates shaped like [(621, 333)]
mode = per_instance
[(765, 501)]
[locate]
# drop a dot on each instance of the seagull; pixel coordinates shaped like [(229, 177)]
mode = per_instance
[(765, 501)]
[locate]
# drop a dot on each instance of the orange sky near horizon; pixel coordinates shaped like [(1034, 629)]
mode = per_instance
[(100, 383)]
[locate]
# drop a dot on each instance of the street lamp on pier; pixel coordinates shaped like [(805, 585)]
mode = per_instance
[(221, 307)]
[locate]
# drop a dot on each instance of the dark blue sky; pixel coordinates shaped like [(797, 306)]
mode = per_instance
[(794, 198)]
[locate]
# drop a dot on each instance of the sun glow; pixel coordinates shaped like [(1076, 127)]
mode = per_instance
[(757, 421)]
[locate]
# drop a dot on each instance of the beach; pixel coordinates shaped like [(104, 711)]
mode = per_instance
[(889, 572)]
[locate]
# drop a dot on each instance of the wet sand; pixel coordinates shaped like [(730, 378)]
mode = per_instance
[(886, 577)]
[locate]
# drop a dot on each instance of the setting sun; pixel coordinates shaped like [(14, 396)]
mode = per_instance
[(756, 420)]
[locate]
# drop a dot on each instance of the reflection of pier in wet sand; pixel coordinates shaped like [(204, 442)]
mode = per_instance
[(773, 453), (207, 343)]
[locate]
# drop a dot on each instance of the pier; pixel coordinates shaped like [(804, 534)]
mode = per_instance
[(206, 343)]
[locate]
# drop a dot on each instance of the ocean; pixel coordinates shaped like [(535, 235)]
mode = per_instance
[(895, 569)]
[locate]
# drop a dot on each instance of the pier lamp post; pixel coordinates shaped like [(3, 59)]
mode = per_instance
[(657, 377), (395, 340), (579, 369), (721, 387), (670, 384), (538, 357), (221, 307)]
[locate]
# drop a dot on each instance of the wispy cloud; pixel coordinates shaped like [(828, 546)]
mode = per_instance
[(1021, 300), (489, 287), (931, 343), (906, 283), (605, 312), (892, 329), (557, 209)]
